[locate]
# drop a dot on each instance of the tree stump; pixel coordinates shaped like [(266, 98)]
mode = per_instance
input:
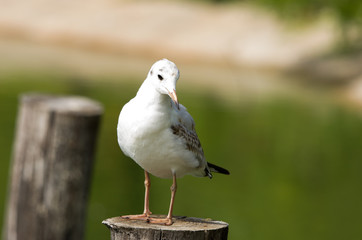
[(182, 228), (51, 167)]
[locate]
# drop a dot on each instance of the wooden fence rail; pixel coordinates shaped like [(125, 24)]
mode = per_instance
[(51, 168)]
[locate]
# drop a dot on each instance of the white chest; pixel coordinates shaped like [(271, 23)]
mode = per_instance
[(138, 127)]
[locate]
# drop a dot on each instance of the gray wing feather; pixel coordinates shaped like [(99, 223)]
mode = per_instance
[(192, 142), (185, 129)]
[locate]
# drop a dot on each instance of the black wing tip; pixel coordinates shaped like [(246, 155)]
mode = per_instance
[(217, 169)]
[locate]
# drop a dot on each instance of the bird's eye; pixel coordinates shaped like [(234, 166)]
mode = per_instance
[(160, 77)]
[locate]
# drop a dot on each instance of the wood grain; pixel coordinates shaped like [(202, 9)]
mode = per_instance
[(51, 167), (182, 228)]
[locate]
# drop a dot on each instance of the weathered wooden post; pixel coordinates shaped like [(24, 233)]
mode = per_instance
[(51, 168), (182, 228)]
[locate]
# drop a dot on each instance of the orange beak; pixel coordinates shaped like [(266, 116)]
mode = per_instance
[(173, 96)]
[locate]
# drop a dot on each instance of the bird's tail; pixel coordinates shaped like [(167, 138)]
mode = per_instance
[(214, 168)]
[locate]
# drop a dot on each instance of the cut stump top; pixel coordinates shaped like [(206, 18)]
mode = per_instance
[(182, 226)]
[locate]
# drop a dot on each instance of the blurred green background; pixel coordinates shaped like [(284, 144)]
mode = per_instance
[(290, 141), (295, 164)]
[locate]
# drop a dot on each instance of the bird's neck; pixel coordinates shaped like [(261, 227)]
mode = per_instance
[(150, 96)]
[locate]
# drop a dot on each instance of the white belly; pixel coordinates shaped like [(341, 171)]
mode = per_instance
[(153, 146)]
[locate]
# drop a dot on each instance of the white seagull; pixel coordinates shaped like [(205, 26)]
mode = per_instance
[(159, 135)]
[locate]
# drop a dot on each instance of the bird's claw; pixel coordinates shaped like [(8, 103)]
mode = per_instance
[(160, 221)]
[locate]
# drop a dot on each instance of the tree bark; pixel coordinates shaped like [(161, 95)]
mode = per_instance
[(182, 228), (51, 168)]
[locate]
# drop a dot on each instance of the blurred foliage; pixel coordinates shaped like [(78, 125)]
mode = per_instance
[(348, 13), (295, 165)]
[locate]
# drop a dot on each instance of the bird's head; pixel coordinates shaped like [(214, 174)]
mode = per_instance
[(163, 75)]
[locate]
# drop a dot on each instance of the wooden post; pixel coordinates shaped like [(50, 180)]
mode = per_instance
[(182, 228), (51, 168)]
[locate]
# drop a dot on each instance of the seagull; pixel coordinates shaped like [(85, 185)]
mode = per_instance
[(159, 135)]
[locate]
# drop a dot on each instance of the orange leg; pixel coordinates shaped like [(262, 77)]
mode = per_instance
[(168, 220), (146, 212)]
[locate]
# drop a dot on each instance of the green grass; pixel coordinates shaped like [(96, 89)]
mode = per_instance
[(295, 165)]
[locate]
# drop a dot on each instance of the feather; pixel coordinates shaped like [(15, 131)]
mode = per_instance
[(192, 142), (217, 169)]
